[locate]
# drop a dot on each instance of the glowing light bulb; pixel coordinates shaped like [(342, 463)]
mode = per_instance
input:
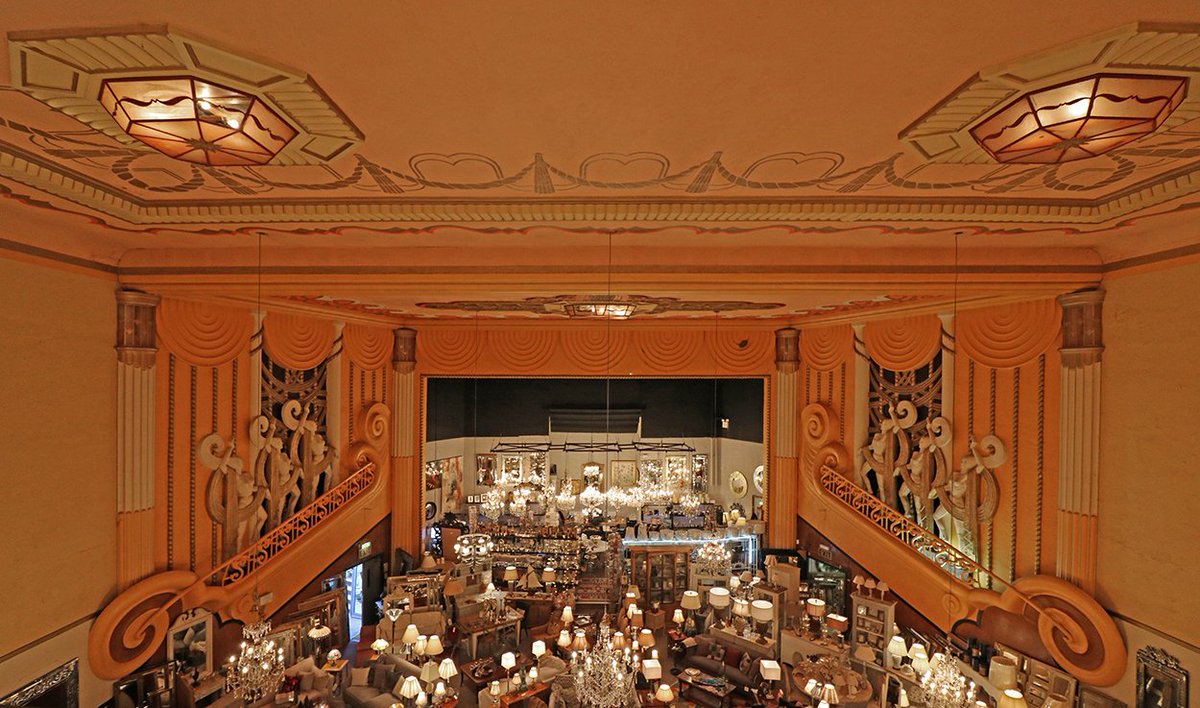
[(233, 123), (204, 104)]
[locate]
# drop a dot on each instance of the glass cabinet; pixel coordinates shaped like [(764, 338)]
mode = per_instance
[(661, 572)]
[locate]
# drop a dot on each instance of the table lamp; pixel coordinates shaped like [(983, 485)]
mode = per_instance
[(829, 694), (409, 638), (677, 617), (719, 599), (510, 575), (811, 687), (439, 693), (1012, 698), (664, 694), (897, 650), (920, 658), (568, 615), (637, 618), (494, 689), (549, 577), (903, 702), (420, 645), (434, 647), (734, 583), (447, 669), (379, 646), (1002, 672), (580, 641), (837, 624), (508, 660), (422, 699), (533, 674), (770, 670), (429, 674), (652, 669), (814, 607), (646, 638), (539, 648), (410, 688), (618, 640), (763, 612), (564, 639)]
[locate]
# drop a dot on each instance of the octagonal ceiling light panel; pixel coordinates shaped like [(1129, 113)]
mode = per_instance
[(1136, 59), (150, 87)]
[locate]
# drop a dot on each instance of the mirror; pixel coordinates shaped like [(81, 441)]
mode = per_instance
[(1161, 681), (190, 642)]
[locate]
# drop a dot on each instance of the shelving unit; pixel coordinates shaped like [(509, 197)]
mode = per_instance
[(660, 571), (871, 627), (538, 547)]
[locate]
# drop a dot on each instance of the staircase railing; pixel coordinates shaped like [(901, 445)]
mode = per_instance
[(279, 538)]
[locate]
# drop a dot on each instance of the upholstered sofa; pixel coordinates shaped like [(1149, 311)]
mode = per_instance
[(549, 666), (378, 686), (708, 654)]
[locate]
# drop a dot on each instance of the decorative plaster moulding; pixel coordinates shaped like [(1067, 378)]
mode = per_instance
[(943, 134), (65, 69)]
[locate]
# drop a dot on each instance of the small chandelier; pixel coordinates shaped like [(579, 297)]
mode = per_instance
[(592, 500), (256, 672), (713, 558), (197, 121), (1079, 119), (944, 686), (604, 674), (473, 549)]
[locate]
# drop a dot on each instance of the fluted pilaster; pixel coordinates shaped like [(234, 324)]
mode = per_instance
[(781, 504), (136, 352)]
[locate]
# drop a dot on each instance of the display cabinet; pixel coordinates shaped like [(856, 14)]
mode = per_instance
[(660, 571), (871, 628)]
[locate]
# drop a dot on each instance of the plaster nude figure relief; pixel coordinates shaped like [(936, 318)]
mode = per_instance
[(234, 500)]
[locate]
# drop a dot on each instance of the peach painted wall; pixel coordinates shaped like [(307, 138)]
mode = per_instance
[(1149, 491), (59, 472)]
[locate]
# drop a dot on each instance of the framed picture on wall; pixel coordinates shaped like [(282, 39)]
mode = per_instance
[(485, 470), (624, 473), (756, 507), (190, 641)]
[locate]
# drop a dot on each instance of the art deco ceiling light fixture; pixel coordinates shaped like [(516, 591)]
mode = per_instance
[(1079, 119), (196, 121), (609, 308)]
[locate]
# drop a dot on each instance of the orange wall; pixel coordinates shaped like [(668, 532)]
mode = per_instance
[(58, 481)]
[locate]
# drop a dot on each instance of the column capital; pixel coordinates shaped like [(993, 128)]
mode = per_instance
[(136, 345), (1082, 327), (787, 350), (404, 350)]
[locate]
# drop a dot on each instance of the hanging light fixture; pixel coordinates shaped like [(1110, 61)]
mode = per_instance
[(194, 120), (1079, 119), (257, 670), (603, 673), (713, 558)]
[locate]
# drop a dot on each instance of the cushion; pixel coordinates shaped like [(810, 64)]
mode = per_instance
[(704, 644), (733, 657), (306, 680), (290, 683), (358, 677), (322, 680), (717, 651), (382, 680), (744, 664), (306, 664)]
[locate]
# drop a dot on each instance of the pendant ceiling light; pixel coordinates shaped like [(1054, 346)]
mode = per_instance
[(197, 121), (1079, 119)]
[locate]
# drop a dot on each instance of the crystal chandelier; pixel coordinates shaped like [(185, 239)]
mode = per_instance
[(944, 686), (256, 672), (604, 674), (691, 502), (713, 558), (516, 491), (473, 549), (592, 500), (565, 501)]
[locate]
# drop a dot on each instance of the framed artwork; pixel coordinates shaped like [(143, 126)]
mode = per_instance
[(593, 475), (1162, 682), (624, 473), (433, 475), (452, 483), (485, 470), (759, 478), (510, 466), (190, 641), (430, 511), (738, 484), (574, 485)]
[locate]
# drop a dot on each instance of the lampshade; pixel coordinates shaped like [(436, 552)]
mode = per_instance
[(920, 659), (652, 669), (319, 631), (454, 586), (637, 592), (422, 699), (815, 607), (631, 606), (434, 646), (494, 688), (734, 582), (770, 669), (1002, 672), (411, 687), (508, 660), (491, 587), (380, 645), (410, 634), (762, 610), (936, 660), (638, 618), (549, 574), (533, 674), (677, 616), (1011, 698), (903, 702), (618, 640), (823, 704), (427, 562), (580, 641), (429, 671), (1080, 118), (838, 623), (510, 573), (439, 692), (568, 615), (539, 648), (1056, 700), (564, 639), (741, 607), (195, 120), (646, 638), (829, 694), (897, 648), (811, 687), (421, 643), (664, 693), (447, 670), (691, 600), (718, 597)]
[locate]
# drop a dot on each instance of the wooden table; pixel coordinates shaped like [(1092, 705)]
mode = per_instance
[(338, 669), (498, 672), (697, 683), (509, 699), (476, 629)]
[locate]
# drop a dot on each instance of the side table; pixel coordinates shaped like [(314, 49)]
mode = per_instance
[(338, 669)]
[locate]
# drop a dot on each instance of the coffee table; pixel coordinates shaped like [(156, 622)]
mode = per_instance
[(705, 688), (478, 674)]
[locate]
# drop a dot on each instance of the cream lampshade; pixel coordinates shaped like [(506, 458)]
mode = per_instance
[(897, 650), (652, 669), (564, 639), (454, 586), (920, 658), (691, 600), (903, 703), (618, 640), (677, 616), (646, 638), (762, 610), (549, 575), (429, 673), (770, 669), (380, 645), (664, 693), (439, 692), (447, 669), (829, 694), (420, 645), (814, 607), (410, 634), (510, 573), (741, 607), (508, 660), (434, 646), (494, 688), (580, 641), (411, 687), (422, 699), (811, 687), (1002, 672), (533, 674), (719, 597), (568, 615), (838, 623), (427, 562), (539, 648), (491, 587), (1056, 700), (734, 582), (1012, 698)]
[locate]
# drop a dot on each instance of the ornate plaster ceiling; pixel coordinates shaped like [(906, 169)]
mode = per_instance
[(803, 155)]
